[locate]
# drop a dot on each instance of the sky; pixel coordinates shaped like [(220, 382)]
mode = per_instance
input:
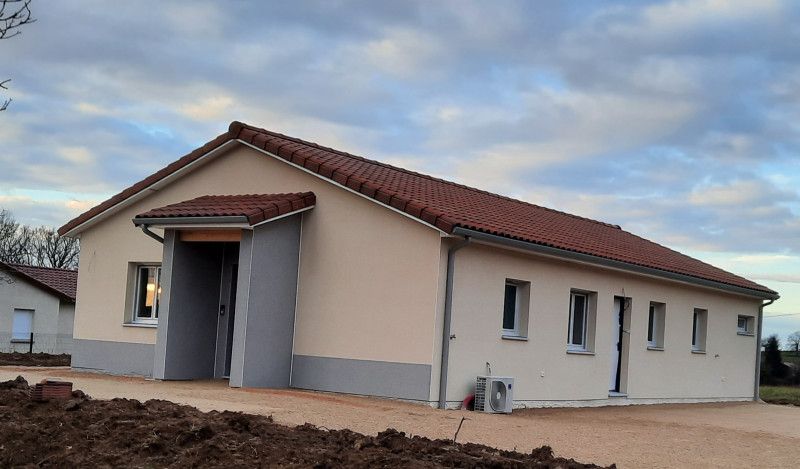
[(679, 121)]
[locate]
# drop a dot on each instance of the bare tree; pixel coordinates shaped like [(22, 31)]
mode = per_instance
[(48, 249), (13, 15), (20, 244), (794, 340), (14, 239)]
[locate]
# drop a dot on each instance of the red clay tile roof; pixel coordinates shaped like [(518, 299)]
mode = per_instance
[(255, 207), (61, 282), (447, 205)]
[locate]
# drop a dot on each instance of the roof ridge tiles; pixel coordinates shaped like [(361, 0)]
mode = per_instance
[(64, 269), (237, 126)]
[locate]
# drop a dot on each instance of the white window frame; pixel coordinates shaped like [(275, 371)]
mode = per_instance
[(17, 336), (522, 313), (699, 329), (582, 347), (135, 318), (656, 325), (749, 325), (515, 332)]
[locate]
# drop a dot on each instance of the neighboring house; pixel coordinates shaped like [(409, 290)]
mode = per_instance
[(281, 263), (36, 300)]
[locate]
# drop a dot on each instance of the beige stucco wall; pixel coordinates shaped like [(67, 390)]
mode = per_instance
[(724, 371), (371, 287), (367, 281)]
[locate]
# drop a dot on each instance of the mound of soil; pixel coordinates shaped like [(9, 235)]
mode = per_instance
[(122, 432), (34, 359)]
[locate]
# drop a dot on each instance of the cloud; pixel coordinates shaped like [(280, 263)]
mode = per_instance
[(677, 120), (91, 109), (36, 212), (209, 108), (764, 258), (406, 53), (77, 155), (779, 278), (738, 193)]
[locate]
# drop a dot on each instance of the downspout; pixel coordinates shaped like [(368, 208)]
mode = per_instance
[(448, 310), (756, 381), (146, 230)]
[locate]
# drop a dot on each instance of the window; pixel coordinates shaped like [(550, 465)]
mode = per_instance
[(22, 325), (745, 325), (655, 325), (580, 332), (699, 321), (148, 294), (515, 309)]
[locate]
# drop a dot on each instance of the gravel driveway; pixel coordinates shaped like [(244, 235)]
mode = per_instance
[(692, 435)]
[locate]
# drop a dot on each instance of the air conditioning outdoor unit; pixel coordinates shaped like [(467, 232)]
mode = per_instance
[(494, 394)]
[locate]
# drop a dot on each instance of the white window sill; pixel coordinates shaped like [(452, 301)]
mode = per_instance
[(140, 324), (514, 337), (657, 349), (747, 334), (699, 352), (579, 352)]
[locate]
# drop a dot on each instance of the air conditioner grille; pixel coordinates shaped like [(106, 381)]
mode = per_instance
[(480, 394)]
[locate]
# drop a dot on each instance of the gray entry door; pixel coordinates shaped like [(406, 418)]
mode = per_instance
[(227, 310)]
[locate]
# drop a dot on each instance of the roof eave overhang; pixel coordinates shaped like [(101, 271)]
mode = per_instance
[(609, 263), (194, 222), (234, 221)]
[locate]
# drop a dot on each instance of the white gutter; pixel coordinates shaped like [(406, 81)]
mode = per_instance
[(757, 379), (610, 263), (174, 221)]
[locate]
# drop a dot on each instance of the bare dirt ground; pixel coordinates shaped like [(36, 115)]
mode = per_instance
[(82, 432), (693, 435), (34, 359)]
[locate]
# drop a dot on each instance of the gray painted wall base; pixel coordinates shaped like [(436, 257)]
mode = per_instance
[(119, 358), (374, 378)]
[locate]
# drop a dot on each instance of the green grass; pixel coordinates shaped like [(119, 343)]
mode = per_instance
[(784, 395)]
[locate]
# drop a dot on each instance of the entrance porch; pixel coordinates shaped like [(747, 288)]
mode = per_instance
[(229, 285)]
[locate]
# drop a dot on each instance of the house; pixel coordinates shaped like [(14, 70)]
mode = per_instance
[(39, 301), (276, 262)]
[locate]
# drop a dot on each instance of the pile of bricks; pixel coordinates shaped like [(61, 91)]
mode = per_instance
[(51, 389)]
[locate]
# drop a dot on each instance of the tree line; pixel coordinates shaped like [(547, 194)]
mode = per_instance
[(774, 370), (40, 246)]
